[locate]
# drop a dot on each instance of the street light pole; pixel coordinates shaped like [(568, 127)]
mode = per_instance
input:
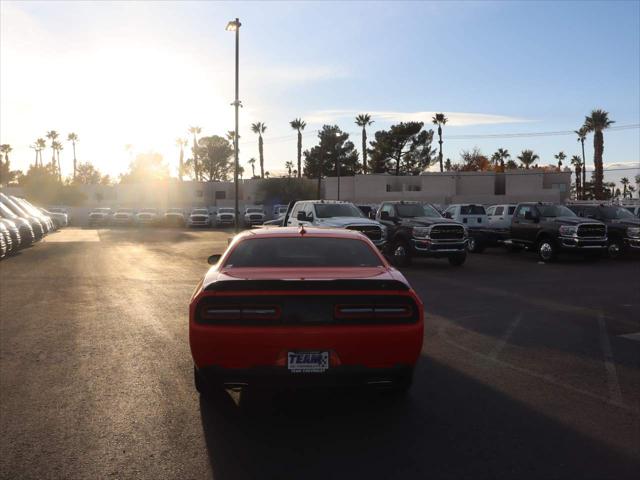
[(234, 25)]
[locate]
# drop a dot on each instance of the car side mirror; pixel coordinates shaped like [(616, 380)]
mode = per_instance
[(384, 215), (302, 217), (213, 259)]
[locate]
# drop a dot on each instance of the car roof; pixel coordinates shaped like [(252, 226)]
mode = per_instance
[(292, 232)]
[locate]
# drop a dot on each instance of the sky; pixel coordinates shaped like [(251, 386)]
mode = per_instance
[(141, 73)]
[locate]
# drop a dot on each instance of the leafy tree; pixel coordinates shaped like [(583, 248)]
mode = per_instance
[(560, 156), (364, 120), (577, 165), (87, 174), (447, 165), (73, 138), (195, 162), (334, 148), (215, 155), (511, 165), (42, 184), (7, 175), (474, 161), (637, 179), (597, 122), (52, 135), (439, 119), (260, 128), (527, 157), (404, 148), (299, 125), (631, 189), (146, 167)]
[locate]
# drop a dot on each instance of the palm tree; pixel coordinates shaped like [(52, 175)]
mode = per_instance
[(631, 190), (363, 120), (597, 122), (52, 135), (259, 128), (289, 167), (5, 149), (439, 119), (196, 165), (73, 138), (582, 136), (252, 162), (577, 165), (560, 156), (298, 124), (266, 174), (181, 143), (500, 156), (41, 144), (625, 183), (57, 147), (637, 179), (527, 157), (447, 165)]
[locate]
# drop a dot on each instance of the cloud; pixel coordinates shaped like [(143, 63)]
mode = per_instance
[(456, 119), (297, 74)]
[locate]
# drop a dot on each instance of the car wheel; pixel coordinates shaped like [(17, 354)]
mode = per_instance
[(474, 245), (401, 254), (615, 248), (546, 250), (457, 259)]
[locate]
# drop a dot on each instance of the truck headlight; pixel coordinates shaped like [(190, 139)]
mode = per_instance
[(420, 232), (633, 232), (568, 230)]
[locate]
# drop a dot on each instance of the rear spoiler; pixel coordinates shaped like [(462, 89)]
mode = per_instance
[(301, 285)]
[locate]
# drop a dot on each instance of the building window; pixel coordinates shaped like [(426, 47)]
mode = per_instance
[(413, 188), (199, 193), (221, 194)]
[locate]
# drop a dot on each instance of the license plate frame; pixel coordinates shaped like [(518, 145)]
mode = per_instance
[(316, 361)]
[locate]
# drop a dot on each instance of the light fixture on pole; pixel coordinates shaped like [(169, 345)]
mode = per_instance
[(234, 26)]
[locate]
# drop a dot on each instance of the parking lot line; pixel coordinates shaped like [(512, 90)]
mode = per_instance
[(615, 393), (505, 338)]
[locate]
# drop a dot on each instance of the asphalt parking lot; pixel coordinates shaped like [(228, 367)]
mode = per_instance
[(529, 370)]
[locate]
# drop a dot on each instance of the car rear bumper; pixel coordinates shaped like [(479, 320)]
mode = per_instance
[(274, 377), (247, 348), (579, 244)]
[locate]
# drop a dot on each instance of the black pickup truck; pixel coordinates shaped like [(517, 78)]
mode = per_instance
[(417, 230), (623, 228), (550, 228)]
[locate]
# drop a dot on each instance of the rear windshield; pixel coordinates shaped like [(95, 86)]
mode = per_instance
[(555, 211), (328, 210), (302, 252), (472, 210)]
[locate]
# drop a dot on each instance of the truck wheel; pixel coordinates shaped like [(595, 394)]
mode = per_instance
[(457, 259), (475, 246), (546, 250), (401, 254), (615, 248)]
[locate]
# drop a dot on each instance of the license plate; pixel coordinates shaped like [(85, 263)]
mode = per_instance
[(307, 362)]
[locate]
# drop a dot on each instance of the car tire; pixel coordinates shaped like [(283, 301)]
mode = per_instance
[(401, 253), (457, 259), (547, 250), (474, 245), (615, 248)]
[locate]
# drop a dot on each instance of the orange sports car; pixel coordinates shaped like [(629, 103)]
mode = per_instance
[(308, 307)]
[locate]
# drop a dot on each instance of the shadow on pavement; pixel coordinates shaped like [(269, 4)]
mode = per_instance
[(450, 426)]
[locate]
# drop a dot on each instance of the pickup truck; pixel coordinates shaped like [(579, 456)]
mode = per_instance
[(623, 228), (417, 230), (474, 218), (549, 229)]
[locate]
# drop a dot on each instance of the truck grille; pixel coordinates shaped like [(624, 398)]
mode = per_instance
[(226, 217), (447, 232), (255, 217), (372, 231), (591, 230)]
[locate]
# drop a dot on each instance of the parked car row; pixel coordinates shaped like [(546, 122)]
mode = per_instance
[(22, 223), (176, 217), (404, 230)]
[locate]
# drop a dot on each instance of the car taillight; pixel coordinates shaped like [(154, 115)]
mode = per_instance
[(373, 311), (223, 313)]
